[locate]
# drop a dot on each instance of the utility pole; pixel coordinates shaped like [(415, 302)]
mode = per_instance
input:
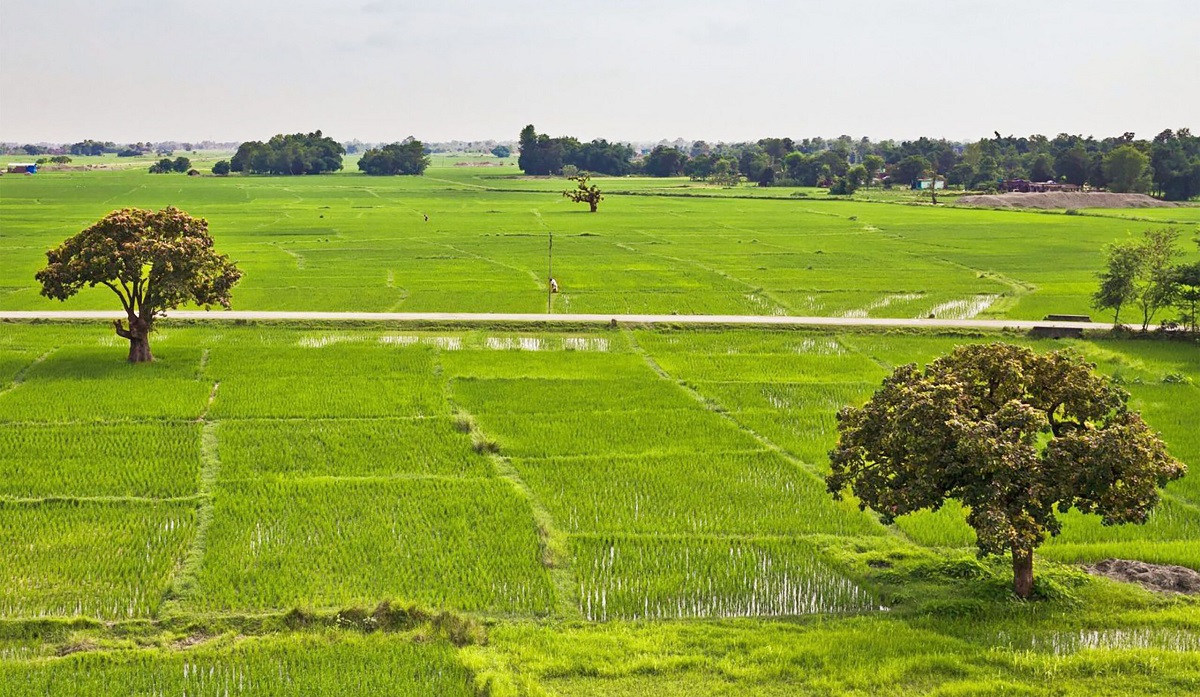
[(550, 272)]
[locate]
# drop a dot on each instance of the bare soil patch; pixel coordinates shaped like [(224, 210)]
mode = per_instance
[(1156, 577), (1092, 199)]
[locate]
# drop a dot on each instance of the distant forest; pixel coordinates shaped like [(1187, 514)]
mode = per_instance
[(1167, 166)]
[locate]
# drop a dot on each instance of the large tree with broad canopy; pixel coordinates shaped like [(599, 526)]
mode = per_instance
[(1014, 436), (153, 261)]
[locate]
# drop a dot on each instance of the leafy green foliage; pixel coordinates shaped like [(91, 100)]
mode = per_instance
[(297, 153), (1009, 433), (407, 157), (153, 261), (1127, 169), (584, 192)]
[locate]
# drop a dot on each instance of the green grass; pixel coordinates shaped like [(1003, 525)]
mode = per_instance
[(351, 242), (648, 578), (749, 493), (601, 505), (291, 665), (346, 447), (146, 459), (466, 544), (109, 560)]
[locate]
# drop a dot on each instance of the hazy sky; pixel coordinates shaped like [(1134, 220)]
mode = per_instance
[(126, 70)]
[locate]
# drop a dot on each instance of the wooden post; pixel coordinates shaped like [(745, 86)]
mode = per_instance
[(550, 272)]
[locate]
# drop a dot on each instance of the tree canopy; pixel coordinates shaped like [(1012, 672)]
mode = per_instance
[(153, 261), (407, 157), (1013, 435), (1127, 170), (542, 155), (584, 192), (298, 153), (664, 162), (1168, 166)]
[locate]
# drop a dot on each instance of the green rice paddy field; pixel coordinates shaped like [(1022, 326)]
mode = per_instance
[(319, 509), (610, 512), (352, 242)]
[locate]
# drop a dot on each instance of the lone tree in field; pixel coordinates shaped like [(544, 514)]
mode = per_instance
[(1011, 434), (153, 261), (583, 193)]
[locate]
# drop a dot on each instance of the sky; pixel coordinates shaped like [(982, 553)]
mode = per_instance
[(630, 70)]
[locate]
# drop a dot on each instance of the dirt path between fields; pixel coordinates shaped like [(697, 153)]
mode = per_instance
[(540, 318), (1063, 199)]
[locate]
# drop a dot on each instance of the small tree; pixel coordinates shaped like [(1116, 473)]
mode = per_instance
[(163, 166), (1141, 272), (502, 151), (1155, 285), (583, 192), (1187, 298), (1011, 434), (181, 164), (1118, 281), (153, 261), (221, 168), (873, 164)]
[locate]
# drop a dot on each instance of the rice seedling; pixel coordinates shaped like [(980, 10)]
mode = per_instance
[(323, 543), (1169, 521), (551, 396), (787, 367), (549, 365), (651, 578), (757, 492), (149, 459), (108, 560), (14, 362), (1179, 552), (301, 664), (615, 433), (801, 418), (86, 383), (346, 448), (318, 396)]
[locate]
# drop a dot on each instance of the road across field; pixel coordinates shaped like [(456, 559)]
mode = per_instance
[(533, 318)]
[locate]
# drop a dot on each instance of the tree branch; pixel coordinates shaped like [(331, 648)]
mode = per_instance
[(125, 302)]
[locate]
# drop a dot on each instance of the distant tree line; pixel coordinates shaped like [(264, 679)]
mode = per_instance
[(297, 153), (1167, 166), (543, 155), (406, 157)]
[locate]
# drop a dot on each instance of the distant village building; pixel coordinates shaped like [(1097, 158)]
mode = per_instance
[(22, 168), (929, 183), (1026, 187)]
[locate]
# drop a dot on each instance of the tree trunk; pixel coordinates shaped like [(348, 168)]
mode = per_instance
[(1022, 572), (593, 205), (138, 335)]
